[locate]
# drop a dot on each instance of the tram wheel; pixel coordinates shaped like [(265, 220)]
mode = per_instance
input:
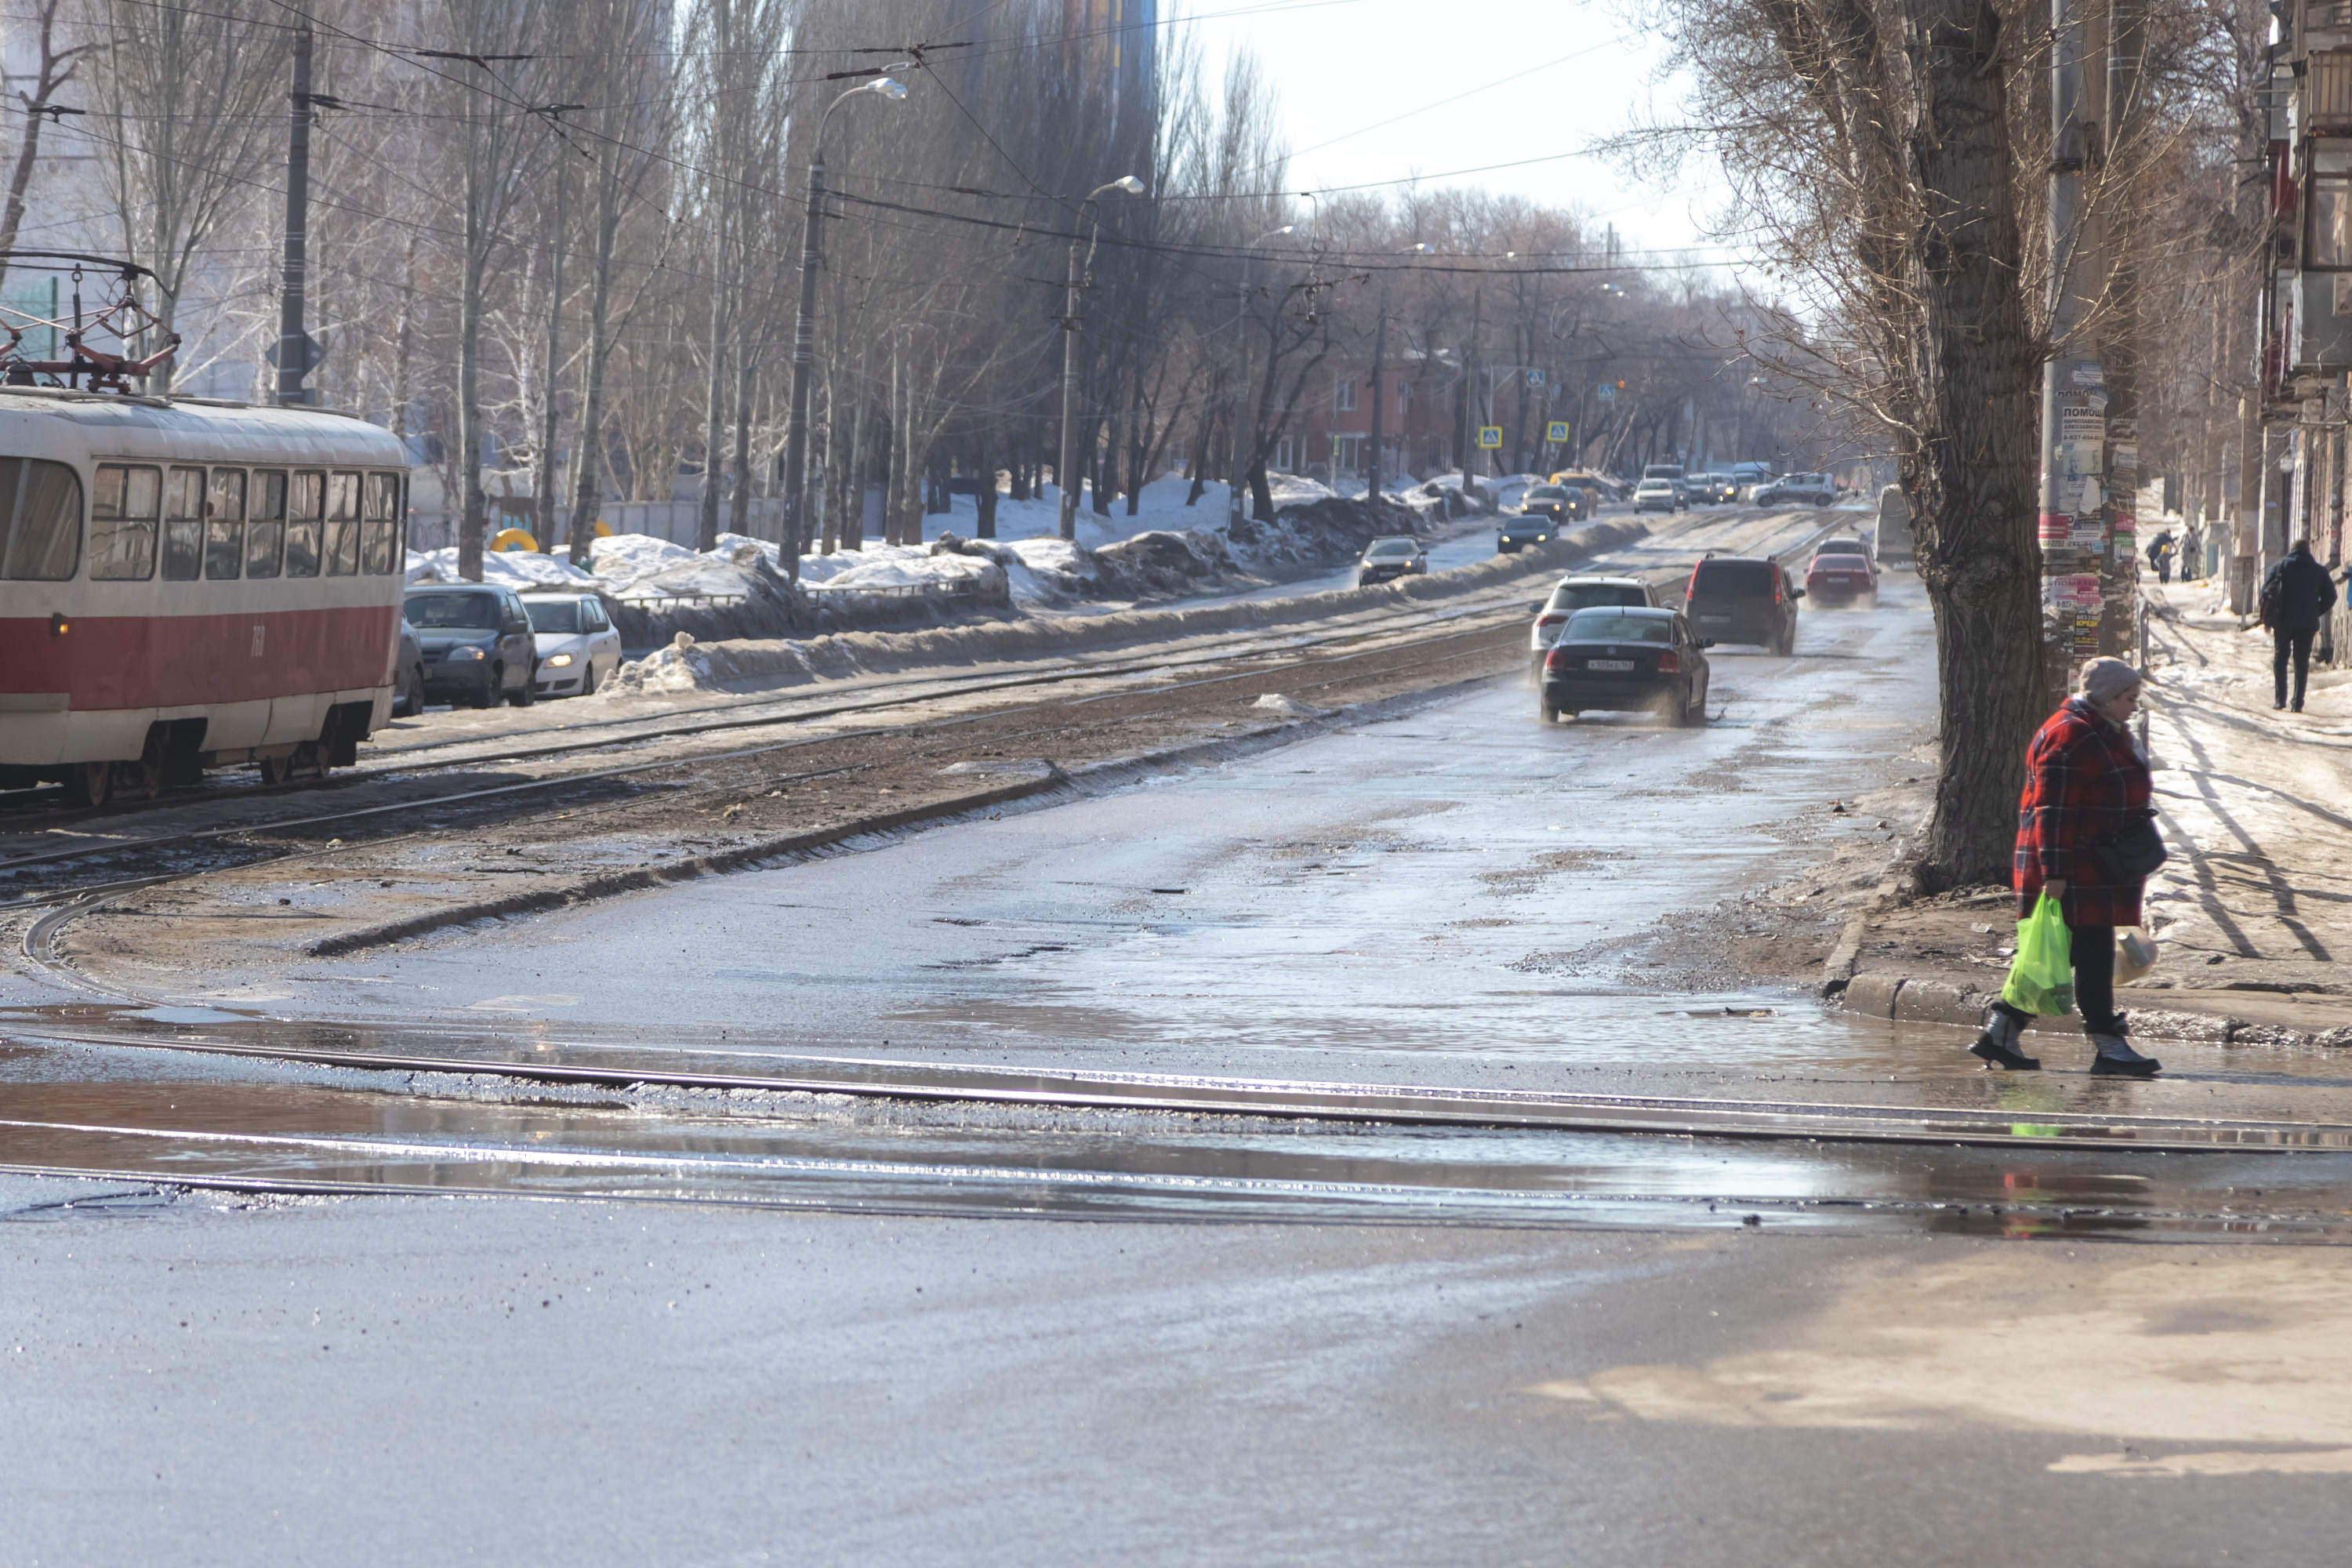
[(278, 770), (91, 783), (142, 780)]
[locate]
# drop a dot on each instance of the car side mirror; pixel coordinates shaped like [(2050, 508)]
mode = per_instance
[(1705, 642), (1537, 608), (1799, 593)]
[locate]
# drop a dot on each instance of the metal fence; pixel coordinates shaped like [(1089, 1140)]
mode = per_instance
[(679, 521)]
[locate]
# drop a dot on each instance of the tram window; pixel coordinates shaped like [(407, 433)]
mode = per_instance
[(224, 524), (184, 525), (122, 517), (40, 521), (305, 500), (380, 554), (342, 525), (265, 536)]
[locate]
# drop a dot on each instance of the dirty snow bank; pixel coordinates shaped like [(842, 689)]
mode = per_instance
[(769, 664)]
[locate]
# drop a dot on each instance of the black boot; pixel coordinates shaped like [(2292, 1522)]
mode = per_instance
[(1998, 1044)]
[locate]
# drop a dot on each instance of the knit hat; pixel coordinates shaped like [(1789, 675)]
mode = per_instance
[(2104, 679)]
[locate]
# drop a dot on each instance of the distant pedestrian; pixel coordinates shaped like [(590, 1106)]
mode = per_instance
[(2297, 597), (2192, 556), (2086, 783), (2159, 555)]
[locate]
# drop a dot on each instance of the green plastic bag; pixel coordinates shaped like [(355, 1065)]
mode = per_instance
[(2042, 976)]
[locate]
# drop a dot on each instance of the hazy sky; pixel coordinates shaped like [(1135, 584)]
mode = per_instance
[(1376, 90)]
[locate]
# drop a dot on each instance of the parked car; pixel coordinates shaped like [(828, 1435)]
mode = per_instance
[(408, 674), (1798, 490), (576, 643), (477, 644), (1389, 558), (1742, 599), (1841, 580), (1660, 495), (1570, 594), (1618, 658)]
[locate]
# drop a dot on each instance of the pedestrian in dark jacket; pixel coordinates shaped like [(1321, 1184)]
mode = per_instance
[(2085, 780), (2159, 555), (2297, 597)]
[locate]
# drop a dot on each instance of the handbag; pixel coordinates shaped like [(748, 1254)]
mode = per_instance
[(2131, 852)]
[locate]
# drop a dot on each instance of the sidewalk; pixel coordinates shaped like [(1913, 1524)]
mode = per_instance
[(2255, 905)]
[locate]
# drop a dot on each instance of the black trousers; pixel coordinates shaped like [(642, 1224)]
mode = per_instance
[(2285, 645), (2093, 954)]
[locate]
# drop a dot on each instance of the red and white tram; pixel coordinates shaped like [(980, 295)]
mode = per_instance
[(187, 584)]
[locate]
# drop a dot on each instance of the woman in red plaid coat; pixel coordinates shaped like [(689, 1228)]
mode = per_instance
[(2084, 781)]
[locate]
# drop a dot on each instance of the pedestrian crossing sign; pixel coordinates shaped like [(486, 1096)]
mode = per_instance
[(1490, 437), (1555, 431)]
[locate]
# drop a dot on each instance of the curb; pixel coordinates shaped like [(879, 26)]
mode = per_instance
[(1114, 773), (1919, 999)]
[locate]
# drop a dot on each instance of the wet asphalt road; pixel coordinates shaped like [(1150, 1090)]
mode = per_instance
[(201, 1378), (391, 1381)]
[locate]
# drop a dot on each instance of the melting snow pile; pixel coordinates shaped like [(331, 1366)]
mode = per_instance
[(676, 667), (1290, 707), (504, 568)]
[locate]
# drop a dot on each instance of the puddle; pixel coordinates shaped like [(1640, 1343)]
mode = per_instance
[(980, 1159)]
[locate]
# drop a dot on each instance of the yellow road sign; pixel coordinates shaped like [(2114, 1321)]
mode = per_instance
[(1490, 436), (1555, 431)]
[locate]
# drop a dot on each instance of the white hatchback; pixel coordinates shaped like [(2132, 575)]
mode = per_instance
[(577, 646)]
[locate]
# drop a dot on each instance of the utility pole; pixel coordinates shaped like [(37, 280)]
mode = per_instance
[(804, 335), (1065, 467), (293, 342), (2073, 389), (2119, 567)]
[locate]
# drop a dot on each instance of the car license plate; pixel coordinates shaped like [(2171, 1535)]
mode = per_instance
[(1608, 664), (1711, 619)]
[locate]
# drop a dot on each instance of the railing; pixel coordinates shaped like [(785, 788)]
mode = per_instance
[(964, 589), (684, 600)]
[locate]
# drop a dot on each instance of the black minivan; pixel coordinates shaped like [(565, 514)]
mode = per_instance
[(1742, 599), (477, 641)]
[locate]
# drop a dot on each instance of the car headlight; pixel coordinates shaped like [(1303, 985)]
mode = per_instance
[(458, 653), (558, 661)]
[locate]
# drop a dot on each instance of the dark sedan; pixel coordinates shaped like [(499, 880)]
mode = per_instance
[(1621, 659)]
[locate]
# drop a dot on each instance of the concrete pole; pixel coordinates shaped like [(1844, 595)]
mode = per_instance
[(2073, 398), (293, 343)]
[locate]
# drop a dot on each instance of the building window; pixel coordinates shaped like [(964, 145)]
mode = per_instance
[(1283, 457), (1343, 394)]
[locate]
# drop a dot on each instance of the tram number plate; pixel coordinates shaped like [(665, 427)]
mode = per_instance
[(1608, 664)]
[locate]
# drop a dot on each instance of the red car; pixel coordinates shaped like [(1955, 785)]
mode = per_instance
[(1842, 579)]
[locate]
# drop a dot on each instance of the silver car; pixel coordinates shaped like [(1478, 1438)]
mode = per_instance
[(578, 646), (1570, 594)]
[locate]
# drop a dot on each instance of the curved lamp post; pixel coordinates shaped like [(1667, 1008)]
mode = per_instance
[(1067, 466), (1380, 359), (805, 330), (1241, 388)]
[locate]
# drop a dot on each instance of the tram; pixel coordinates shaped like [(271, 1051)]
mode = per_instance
[(186, 583)]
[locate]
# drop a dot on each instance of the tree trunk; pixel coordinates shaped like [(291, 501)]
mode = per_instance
[(984, 495), (1970, 469), (739, 516)]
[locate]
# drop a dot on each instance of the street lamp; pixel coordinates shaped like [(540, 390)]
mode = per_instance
[(1241, 388), (1380, 358), (1065, 467), (804, 329)]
